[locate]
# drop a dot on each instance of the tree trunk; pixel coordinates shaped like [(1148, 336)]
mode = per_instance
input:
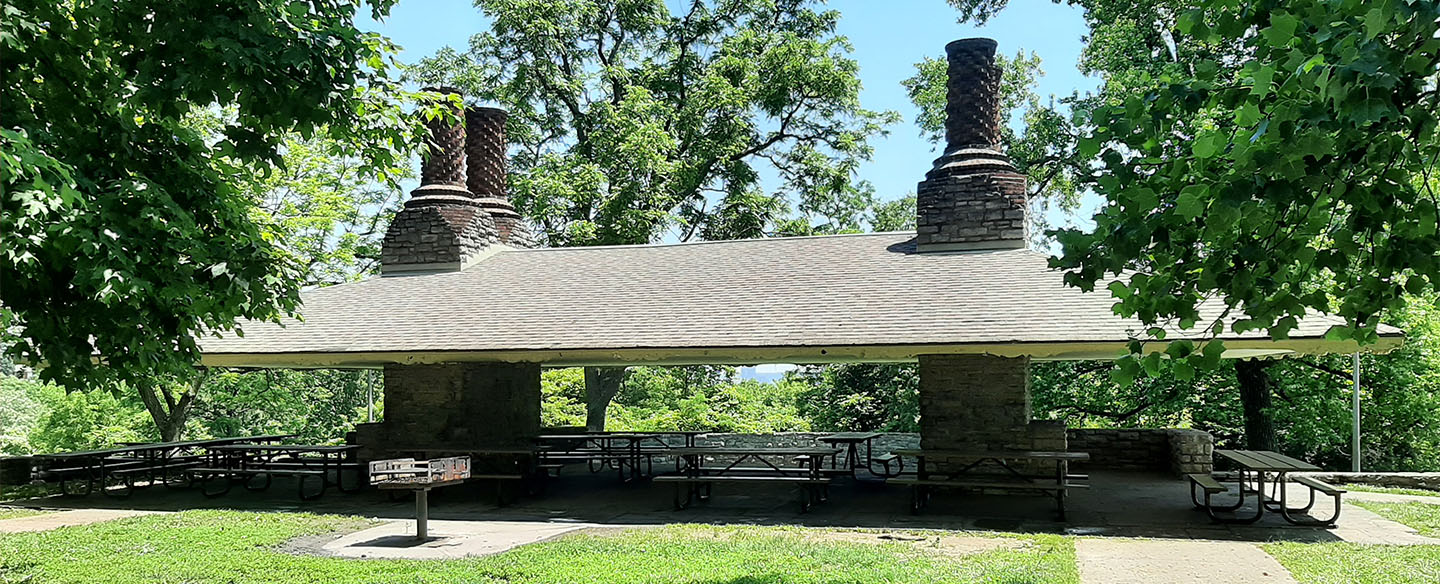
[(168, 412), (1256, 389), (601, 385)]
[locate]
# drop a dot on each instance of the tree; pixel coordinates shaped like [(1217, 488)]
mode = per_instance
[(1280, 165), (125, 234), (326, 210), (861, 396), (632, 122), (1247, 163)]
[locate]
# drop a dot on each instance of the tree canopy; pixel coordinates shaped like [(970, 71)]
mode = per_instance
[(1271, 159), (632, 122), (125, 232)]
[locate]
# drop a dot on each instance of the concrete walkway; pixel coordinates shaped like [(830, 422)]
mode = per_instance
[(1144, 561), (448, 539), (57, 519)]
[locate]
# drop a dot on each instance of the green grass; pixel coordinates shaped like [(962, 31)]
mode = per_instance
[(16, 512), (1424, 517), (1335, 563), (1392, 490), (1348, 563), (227, 546)]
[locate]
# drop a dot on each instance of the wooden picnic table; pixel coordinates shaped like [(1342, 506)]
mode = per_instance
[(695, 478), (1257, 469), (927, 479), (851, 442), (232, 462), (623, 451), (158, 460)]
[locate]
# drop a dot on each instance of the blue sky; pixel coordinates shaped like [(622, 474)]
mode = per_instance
[(889, 38)]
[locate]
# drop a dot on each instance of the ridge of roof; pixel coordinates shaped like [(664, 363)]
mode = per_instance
[(711, 242)]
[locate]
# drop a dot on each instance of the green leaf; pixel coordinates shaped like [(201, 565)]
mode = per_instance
[(1208, 144), (1262, 78), (1191, 202), (1119, 290), (1375, 21), (1281, 29)]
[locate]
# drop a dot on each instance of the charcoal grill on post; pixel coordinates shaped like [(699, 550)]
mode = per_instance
[(419, 476)]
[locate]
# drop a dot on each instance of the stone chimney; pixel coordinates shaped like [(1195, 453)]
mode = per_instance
[(485, 147), (972, 199), (443, 225)]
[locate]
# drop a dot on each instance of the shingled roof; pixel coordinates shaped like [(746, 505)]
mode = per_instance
[(804, 299)]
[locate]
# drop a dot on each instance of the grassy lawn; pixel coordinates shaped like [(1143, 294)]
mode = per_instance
[(1348, 563), (1424, 517), (225, 546), (1336, 563), (15, 512), (1392, 490)]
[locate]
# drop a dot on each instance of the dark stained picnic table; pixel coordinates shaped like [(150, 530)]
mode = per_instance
[(157, 459), (246, 461), (851, 442), (1011, 479), (1264, 468)]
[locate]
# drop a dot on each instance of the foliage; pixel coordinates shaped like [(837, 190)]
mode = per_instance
[(318, 406), (861, 397), (325, 209), (562, 397), (20, 409), (236, 547), (632, 121), (88, 420), (1273, 158), (1351, 563), (125, 234), (704, 398)]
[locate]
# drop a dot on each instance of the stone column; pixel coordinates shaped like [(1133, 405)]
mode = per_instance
[(981, 402), (461, 405)]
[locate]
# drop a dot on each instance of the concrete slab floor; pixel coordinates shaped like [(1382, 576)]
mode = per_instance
[(1118, 504), (447, 540), (1141, 561)]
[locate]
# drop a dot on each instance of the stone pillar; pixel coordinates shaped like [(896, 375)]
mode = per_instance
[(981, 402), (461, 405)]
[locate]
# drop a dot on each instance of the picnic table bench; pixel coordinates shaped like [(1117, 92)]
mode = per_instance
[(232, 463), (694, 477), (129, 463), (625, 452), (926, 480), (1257, 469)]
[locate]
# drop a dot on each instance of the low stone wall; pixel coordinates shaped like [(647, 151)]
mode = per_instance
[(1129, 449), (1405, 480), (1162, 449)]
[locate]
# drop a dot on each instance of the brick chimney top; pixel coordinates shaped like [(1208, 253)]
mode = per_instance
[(442, 166), (972, 198), (485, 149)]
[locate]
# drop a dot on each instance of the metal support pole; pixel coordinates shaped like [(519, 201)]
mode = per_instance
[(369, 397), (422, 513), (1355, 417)]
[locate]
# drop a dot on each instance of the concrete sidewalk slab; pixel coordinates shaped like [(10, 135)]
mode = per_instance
[(448, 539), (57, 519), (1140, 561)]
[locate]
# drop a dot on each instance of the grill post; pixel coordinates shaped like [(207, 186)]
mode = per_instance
[(422, 513)]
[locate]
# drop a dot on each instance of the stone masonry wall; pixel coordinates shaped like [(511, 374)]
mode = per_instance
[(437, 234), (1174, 450), (458, 405), (981, 402), (974, 211)]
